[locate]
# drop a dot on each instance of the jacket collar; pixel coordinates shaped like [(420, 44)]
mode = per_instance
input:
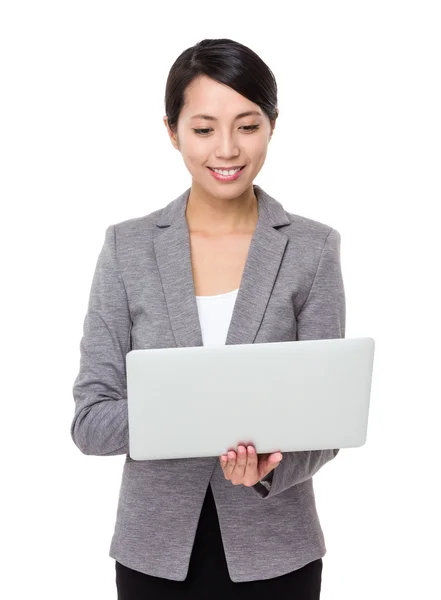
[(172, 248)]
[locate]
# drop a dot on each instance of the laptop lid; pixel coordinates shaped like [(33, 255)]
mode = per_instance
[(283, 396)]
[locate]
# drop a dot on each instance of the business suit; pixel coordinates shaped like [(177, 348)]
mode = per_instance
[(142, 296)]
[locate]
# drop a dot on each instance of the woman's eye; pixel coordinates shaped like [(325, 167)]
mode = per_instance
[(246, 127)]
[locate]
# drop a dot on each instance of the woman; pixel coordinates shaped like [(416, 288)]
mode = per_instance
[(223, 263)]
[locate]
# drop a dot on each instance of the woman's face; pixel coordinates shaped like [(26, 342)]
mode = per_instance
[(225, 140)]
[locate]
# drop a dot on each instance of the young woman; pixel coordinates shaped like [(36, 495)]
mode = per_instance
[(224, 263)]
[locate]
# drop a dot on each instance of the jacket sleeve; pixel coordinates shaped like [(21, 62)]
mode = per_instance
[(100, 423), (322, 316)]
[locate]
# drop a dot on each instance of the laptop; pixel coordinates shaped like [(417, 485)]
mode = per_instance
[(201, 401)]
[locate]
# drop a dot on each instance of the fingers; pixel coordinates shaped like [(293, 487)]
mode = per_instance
[(252, 458), (247, 467), (241, 466), (231, 463), (241, 463), (236, 463), (228, 462)]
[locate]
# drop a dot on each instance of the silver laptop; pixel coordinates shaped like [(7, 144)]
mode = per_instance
[(284, 396)]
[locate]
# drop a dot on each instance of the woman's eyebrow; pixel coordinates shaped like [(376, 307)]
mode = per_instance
[(239, 116)]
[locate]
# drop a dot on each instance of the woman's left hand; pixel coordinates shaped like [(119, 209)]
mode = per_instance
[(248, 467)]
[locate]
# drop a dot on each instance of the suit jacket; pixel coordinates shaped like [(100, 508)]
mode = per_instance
[(142, 296)]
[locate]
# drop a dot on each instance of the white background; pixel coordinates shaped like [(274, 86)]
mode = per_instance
[(357, 146)]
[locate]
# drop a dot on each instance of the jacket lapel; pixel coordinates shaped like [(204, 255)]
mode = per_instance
[(172, 248)]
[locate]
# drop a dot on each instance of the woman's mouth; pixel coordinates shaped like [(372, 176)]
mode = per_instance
[(221, 177)]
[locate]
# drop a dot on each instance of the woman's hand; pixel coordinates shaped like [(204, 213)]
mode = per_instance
[(249, 467)]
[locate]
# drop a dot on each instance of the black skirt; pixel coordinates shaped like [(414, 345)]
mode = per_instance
[(208, 573)]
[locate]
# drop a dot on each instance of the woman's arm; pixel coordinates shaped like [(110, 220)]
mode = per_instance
[(100, 423), (322, 316)]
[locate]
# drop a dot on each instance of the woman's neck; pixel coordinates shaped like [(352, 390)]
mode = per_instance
[(216, 215)]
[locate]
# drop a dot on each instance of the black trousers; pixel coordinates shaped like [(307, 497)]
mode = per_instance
[(208, 574)]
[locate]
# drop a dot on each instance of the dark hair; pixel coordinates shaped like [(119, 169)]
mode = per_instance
[(228, 62)]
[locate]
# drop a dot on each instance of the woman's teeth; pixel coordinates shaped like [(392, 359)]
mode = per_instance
[(230, 172)]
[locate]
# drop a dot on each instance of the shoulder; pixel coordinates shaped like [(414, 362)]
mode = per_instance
[(297, 228), (137, 225), (143, 227), (133, 234), (305, 232)]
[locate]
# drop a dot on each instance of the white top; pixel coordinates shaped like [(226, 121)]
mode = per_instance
[(215, 316)]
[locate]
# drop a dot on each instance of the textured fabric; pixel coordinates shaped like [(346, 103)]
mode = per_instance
[(208, 574), (142, 296)]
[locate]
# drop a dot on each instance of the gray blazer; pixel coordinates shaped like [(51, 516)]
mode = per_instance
[(142, 296)]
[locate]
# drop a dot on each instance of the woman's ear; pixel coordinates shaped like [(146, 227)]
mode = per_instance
[(273, 124), (173, 136)]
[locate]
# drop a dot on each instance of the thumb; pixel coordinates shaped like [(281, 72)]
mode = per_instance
[(271, 462), (275, 458)]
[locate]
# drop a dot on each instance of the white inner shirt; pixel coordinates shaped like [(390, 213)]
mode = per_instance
[(214, 316)]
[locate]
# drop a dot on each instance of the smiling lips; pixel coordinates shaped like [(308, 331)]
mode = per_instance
[(228, 177)]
